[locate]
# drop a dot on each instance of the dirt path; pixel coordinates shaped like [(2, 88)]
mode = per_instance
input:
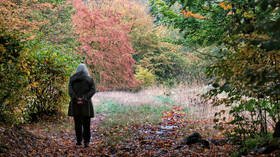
[(45, 139), (57, 138)]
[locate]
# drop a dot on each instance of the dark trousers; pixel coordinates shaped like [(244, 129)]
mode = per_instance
[(82, 129)]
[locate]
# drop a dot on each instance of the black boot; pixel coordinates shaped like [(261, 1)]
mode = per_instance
[(78, 143), (86, 144)]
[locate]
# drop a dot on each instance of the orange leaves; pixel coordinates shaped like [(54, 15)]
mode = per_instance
[(58, 139), (174, 117), (20, 17), (193, 15), (225, 5)]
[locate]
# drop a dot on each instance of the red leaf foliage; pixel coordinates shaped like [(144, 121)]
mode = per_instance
[(106, 45), (176, 116)]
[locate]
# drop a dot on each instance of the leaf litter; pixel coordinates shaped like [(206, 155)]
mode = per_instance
[(163, 139)]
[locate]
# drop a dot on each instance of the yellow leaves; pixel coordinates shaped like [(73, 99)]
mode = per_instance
[(24, 67), (17, 17), (7, 101), (255, 36), (249, 15), (145, 76), (34, 84), (193, 15), (2, 49), (225, 5)]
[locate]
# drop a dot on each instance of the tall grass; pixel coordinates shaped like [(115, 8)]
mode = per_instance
[(189, 97)]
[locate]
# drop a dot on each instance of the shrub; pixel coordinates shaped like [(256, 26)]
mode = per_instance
[(146, 77), (11, 77), (46, 70), (168, 67), (33, 74), (33, 80), (253, 143)]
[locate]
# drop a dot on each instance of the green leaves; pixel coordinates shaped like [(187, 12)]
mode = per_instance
[(168, 67), (11, 77), (33, 79), (47, 71), (195, 30), (245, 73)]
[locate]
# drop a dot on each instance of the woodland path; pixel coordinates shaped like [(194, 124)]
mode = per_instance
[(51, 139), (164, 139)]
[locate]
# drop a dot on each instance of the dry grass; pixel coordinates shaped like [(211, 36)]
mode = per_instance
[(187, 96)]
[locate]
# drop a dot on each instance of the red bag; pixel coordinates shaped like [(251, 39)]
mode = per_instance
[(81, 101)]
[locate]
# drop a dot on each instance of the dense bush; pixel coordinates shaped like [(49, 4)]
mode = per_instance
[(168, 67), (10, 76), (47, 71), (33, 80), (146, 77), (250, 77), (33, 72)]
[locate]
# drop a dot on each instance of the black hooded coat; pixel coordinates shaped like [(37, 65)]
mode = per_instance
[(81, 86)]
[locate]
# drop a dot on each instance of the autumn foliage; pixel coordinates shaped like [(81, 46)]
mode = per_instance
[(225, 5), (191, 14), (18, 17), (33, 72), (105, 43)]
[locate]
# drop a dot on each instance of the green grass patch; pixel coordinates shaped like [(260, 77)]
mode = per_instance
[(164, 99), (118, 114)]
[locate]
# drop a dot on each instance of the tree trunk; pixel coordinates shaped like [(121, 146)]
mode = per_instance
[(276, 133)]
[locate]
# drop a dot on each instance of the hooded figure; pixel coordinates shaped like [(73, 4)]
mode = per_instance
[(81, 89)]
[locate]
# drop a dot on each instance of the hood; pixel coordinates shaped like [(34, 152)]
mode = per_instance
[(78, 76)]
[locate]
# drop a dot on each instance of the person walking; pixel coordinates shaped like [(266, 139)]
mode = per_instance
[(81, 89)]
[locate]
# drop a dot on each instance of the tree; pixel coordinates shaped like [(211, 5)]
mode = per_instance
[(246, 63), (105, 43), (197, 20)]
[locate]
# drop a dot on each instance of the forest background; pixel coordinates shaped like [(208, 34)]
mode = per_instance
[(230, 46)]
